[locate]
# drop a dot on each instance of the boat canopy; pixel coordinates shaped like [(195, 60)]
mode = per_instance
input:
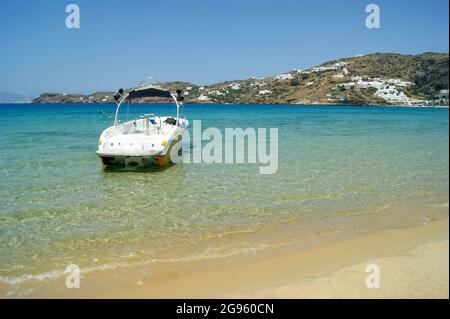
[(149, 91)]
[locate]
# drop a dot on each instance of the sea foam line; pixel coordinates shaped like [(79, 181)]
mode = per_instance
[(54, 274)]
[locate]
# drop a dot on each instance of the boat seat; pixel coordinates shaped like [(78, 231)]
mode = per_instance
[(170, 120)]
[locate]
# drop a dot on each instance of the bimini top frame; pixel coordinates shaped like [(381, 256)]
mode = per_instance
[(146, 91)]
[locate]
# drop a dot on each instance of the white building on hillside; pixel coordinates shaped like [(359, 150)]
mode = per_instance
[(203, 98), (285, 76), (263, 92), (235, 86)]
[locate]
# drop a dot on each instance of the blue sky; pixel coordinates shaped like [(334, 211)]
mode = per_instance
[(202, 41)]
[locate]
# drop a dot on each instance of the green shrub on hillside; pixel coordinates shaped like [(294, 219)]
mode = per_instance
[(294, 82)]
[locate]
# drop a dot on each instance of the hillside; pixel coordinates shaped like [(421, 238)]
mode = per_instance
[(374, 79)]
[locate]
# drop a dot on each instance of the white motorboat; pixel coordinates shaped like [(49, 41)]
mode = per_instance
[(148, 139)]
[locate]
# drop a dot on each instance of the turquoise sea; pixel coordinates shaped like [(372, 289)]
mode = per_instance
[(342, 170)]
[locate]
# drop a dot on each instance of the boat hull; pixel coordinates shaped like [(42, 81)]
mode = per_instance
[(157, 158)]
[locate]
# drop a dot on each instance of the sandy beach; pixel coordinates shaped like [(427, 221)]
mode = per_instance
[(413, 263)]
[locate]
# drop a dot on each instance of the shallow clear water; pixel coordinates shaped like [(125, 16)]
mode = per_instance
[(340, 169)]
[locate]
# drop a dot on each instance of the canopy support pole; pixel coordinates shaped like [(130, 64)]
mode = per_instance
[(178, 107)]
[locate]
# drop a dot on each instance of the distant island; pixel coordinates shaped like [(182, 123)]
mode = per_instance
[(372, 79)]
